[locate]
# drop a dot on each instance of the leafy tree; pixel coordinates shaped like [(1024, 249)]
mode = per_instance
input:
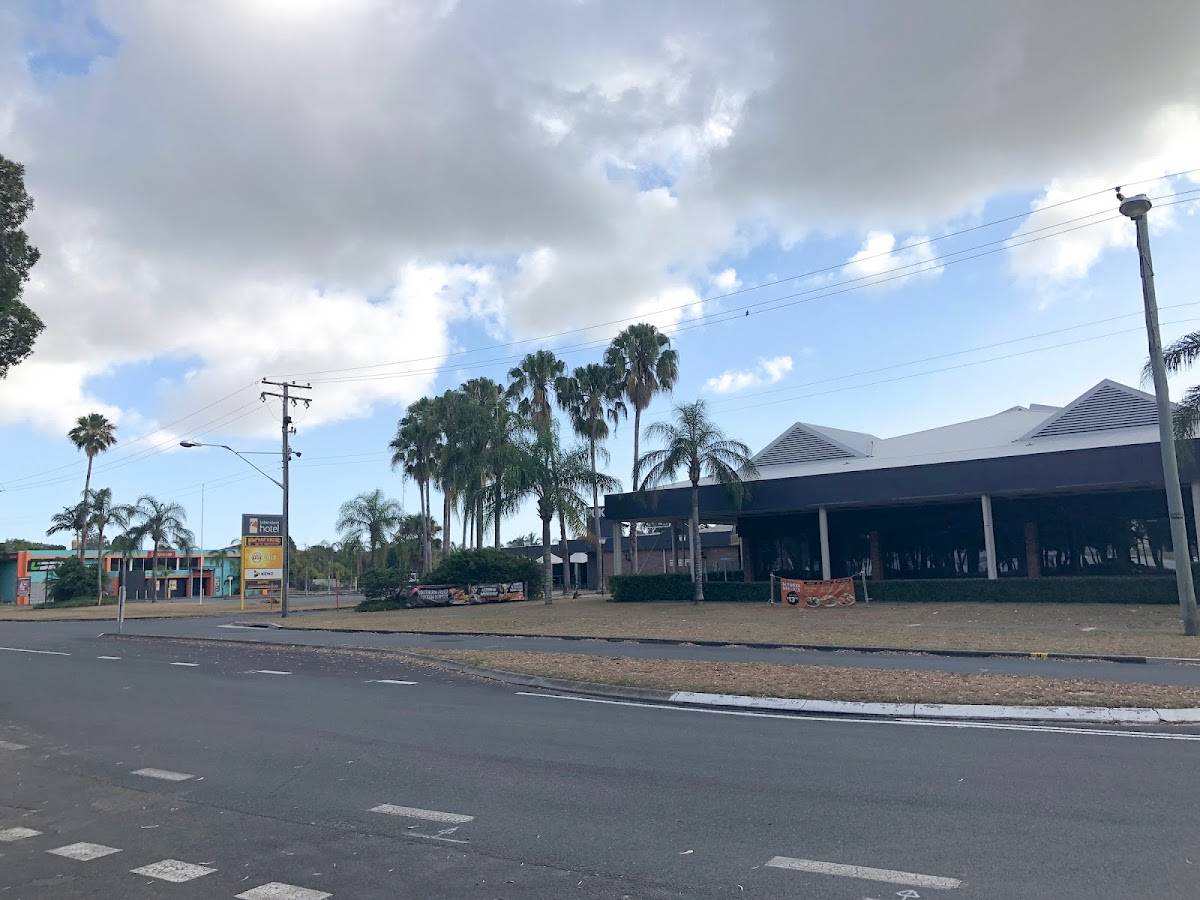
[(591, 397), (524, 540), (415, 450), (19, 325), (370, 515), (93, 434), (12, 545), (72, 580), (101, 514), (164, 523), (694, 443), (646, 365)]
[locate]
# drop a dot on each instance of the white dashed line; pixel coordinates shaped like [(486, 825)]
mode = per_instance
[(8, 835), (189, 665), (173, 870), (387, 681), (267, 672), (164, 774), (9, 745), (41, 652), (278, 891), (429, 815), (84, 852), (108, 657), (890, 876)]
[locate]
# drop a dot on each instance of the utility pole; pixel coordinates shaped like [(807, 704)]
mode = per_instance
[(287, 429), (1136, 209)]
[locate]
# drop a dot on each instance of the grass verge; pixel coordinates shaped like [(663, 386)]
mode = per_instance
[(1100, 628), (142, 609), (826, 682)]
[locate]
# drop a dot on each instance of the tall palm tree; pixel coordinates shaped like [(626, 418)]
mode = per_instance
[(93, 434), (591, 397), (122, 545), (164, 523), (372, 515), (695, 443), (71, 519), (103, 513), (415, 450), (531, 385), (556, 479), (646, 365)]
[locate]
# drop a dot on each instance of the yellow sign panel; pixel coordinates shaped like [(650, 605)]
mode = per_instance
[(262, 557)]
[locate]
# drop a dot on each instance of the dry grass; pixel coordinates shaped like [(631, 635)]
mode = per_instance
[(166, 609), (827, 682), (1031, 627)]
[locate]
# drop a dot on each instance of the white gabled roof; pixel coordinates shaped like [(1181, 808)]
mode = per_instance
[(1108, 414)]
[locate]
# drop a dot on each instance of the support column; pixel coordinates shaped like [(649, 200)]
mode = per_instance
[(876, 556), (823, 524), (618, 555), (1033, 550), (1196, 513), (989, 538), (747, 558)]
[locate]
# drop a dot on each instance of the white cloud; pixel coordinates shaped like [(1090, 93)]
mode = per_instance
[(726, 280), (768, 371), (879, 262)]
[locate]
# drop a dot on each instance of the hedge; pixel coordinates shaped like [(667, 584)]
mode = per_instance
[(1151, 589), (385, 589), (678, 588)]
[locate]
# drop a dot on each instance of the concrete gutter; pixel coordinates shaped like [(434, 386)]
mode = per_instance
[(1108, 715), (753, 645)]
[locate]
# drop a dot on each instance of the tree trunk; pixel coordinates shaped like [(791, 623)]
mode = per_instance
[(428, 529), (596, 518), (479, 515), (154, 574), (694, 540), (445, 523), (637, 432), (496, 514), (568, 581), (547, 564), (87, 488), (674, 546), (100, 568), (464, 524)]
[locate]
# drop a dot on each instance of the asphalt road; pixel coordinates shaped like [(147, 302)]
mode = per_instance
[(505, 794)]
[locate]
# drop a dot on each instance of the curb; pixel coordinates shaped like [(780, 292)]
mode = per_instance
[(757, 645), (801, 708)]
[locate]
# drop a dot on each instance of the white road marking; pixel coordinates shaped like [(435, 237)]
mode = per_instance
[(267, 672), (108, 657), (8, 835), (928, 723), (9, 745), (387, 681), (42, 652), (891, 876), (172, 870), (164, 774), (429, 815), (84, 852), (281, 891), (232, 625), (189, 665)]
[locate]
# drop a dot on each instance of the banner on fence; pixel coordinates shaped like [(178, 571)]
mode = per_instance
[(816, 594), (463, 594)]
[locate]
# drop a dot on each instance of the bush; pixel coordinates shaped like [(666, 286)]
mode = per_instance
[(1054, 589), (72, 581), (376, 583), (82, 601), (676, 587), (488, 565)]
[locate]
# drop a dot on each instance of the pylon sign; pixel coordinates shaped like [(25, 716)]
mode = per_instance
[(262, 555)]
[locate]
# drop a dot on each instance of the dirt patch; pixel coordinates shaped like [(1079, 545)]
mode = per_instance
[(1089, 628), (827, 682)]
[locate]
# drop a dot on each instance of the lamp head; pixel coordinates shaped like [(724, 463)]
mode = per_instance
[(188, 444), (1136, 206)]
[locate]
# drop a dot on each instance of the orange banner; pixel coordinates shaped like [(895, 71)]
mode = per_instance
[(815, 594)]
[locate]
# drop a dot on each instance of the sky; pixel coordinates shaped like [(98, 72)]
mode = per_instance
[(880, 217)]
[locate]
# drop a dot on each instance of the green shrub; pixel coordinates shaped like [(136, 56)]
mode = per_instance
[(378, 583), (82, 601), (1055, 589), (488, 565), (73, 580), (676, 587)]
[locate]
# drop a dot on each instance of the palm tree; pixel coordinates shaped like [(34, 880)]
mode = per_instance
[(93, 434), (73, 520), (695, 443), (1176, 357), (370, 514), (415, 449), (555, 479), (531, 383), (646, 365), (122, 545), (591, 397), (164, 523), (103, 514)]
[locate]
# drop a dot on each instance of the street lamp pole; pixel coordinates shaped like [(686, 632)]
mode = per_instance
[(1136, 208)]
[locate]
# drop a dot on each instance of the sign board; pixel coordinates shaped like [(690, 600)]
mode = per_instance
[(24, 586), (44, 565), (816, 594), (256, 524), (461, 595), (259, 556)]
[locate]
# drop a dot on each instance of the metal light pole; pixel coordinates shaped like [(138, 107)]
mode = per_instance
[(1136, 209)]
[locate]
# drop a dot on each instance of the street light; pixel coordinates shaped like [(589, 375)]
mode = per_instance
[(1136, 208), (283, 605)]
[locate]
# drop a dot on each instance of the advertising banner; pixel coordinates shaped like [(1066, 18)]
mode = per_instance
[(816, 594), (464, 594), (262, 555), (44, 565)]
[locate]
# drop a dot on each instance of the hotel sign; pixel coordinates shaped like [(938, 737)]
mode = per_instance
[(262, 554)]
